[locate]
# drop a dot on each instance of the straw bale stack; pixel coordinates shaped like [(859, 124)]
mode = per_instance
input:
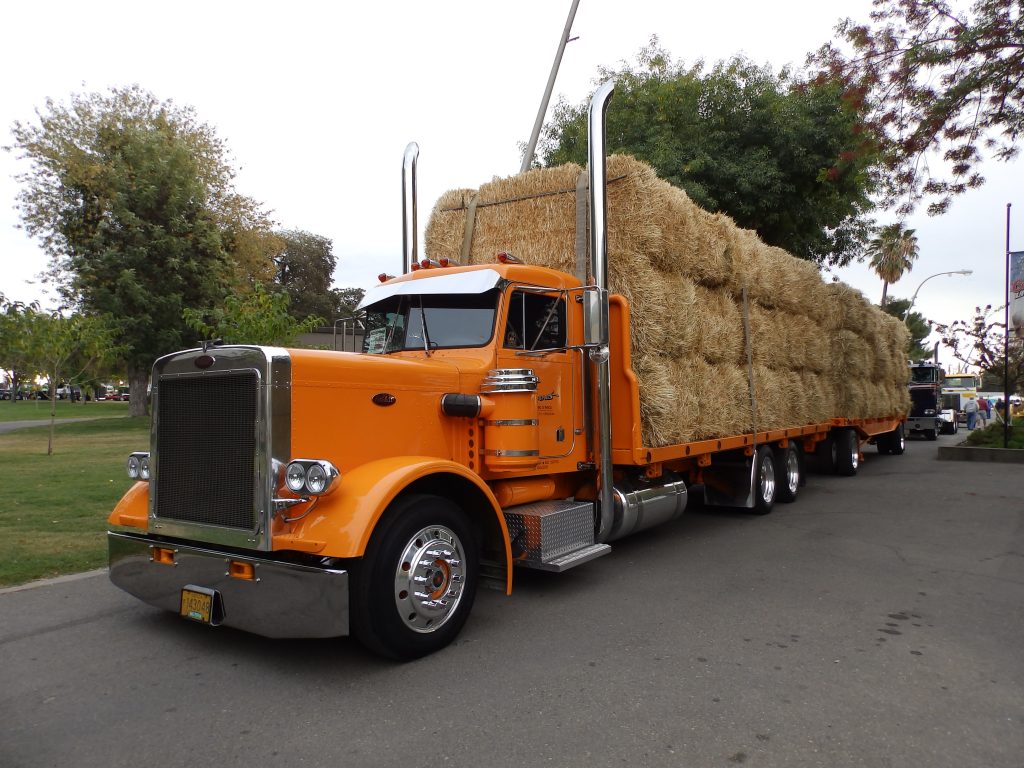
[(694, 280)]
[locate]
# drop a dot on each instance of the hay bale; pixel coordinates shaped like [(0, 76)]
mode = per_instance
[(680, 315), (658, 401), (719, 327), (819, 350)]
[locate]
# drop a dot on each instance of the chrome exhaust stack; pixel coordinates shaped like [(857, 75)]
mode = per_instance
[(599, 275), (409, 254)]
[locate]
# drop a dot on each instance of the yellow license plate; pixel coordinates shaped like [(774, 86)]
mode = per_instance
[(197, 606)]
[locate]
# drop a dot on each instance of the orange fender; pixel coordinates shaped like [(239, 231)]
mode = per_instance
[(133, 508), (343, 521)]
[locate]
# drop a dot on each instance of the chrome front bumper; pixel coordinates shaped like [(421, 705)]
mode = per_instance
[(923, 423), (284, 600)]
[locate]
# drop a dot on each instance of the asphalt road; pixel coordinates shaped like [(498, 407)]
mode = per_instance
[(878, 621)]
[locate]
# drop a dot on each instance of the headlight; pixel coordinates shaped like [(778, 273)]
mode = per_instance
[(138, 466), (929, 411), (295, 477), (316, 479), (310, 476)]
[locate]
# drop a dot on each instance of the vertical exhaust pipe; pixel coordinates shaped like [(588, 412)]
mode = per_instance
[(409, 255), (599, 275)]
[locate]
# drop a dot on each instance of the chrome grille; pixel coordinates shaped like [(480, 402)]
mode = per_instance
[(206, 448)]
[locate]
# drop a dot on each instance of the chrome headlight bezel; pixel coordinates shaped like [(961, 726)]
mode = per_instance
[(138, 466), (318, 476)]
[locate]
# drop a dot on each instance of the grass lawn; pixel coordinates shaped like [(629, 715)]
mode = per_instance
[(30, 410), (53, 509), (992, 435)]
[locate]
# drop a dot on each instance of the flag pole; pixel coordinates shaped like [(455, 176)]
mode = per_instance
[(1007, 410)]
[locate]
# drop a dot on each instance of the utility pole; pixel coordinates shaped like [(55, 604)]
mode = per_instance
[(531, 146)]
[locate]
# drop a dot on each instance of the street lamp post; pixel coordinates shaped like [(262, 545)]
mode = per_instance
[(937, 274)]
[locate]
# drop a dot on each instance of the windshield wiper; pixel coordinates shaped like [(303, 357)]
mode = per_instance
[(423, 323)]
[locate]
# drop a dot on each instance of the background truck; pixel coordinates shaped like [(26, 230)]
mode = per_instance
[(503, 415), (926, 400)]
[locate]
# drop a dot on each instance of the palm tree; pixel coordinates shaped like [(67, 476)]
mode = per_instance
[(891, 253)]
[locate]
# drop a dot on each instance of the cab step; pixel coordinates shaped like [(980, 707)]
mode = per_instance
[(553, 535)]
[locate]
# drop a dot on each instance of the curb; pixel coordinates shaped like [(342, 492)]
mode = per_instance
[(967, 453), (54, 580)]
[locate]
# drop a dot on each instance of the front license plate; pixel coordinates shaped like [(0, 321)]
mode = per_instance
[(197, 605)]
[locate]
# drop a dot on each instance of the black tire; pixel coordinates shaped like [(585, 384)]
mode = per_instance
[(899, 441), (931, 434), (825, 454), (847, 452), (884, 443), (419, 537), (788, 473), (765, 485)]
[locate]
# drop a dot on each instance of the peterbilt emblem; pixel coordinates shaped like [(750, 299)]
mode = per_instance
[(384, 399)]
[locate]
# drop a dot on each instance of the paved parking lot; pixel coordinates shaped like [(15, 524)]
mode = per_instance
[(878, 621)]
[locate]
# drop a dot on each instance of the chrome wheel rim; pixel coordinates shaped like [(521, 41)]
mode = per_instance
[(855, 455), (767, 480), (430, 578), (792, 472)]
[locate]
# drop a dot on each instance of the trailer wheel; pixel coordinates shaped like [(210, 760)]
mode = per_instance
[(899, 441), (414, 588), (788, 474), (825, 455), (847, 452), (765, 485)]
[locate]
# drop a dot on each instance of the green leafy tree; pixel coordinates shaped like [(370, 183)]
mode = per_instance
[(777, 154), (891, 253), (133, 200), (347, 300), (935, 77), (979, 342), (17, 356), (64, 347), (920, 328), (261, 317), (305, 270)]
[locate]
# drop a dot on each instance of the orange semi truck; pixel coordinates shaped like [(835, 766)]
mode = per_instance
[(492, 422)]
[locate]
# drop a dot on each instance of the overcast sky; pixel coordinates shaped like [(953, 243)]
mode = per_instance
[(317, 102)]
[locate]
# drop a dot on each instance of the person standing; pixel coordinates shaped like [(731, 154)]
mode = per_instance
[(983, 411), (971, 409)]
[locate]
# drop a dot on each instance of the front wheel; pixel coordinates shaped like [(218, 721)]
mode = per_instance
[(415, 586)]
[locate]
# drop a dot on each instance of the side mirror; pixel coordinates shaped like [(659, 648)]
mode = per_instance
[(595, 317)]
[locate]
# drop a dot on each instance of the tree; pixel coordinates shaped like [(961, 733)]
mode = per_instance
[(891, 253), (17, 356), (934, 78), (978, 342), (919, 327), (65, 346), (348, 299), (305, 270), (132, 198), (777, 154), (261, 317)]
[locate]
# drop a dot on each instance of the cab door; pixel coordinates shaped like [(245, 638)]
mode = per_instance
[(535, 327)]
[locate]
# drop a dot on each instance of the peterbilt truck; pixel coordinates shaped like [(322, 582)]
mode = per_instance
[(491, 423), (926, 404)]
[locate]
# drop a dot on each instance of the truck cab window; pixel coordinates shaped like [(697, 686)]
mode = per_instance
[(452, 320), (535, 322)]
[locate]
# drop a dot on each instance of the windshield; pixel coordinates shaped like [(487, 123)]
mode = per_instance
[(924, 374), (961, 381), (451, 320)]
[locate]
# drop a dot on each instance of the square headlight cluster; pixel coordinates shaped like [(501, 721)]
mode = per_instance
[(310, 477)]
